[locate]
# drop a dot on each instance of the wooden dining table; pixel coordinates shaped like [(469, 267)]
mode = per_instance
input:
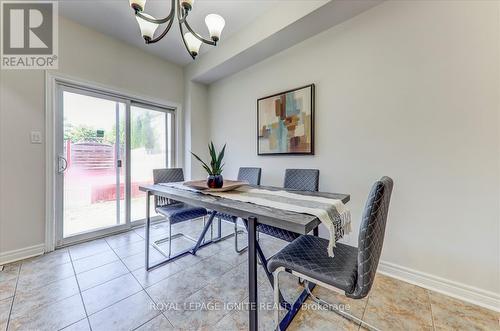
[(253, 214)]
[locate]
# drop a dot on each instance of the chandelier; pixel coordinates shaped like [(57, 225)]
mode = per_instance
[(192, 40)]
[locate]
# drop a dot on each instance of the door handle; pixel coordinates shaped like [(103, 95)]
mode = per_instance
[(119, 163), (62, 161)]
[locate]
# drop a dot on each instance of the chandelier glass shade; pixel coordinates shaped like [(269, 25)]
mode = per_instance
[(180, 8)]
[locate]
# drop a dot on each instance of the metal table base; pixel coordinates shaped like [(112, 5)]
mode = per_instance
[(254, 254)]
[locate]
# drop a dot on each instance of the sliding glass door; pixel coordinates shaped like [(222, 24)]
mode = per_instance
[(107, 146)]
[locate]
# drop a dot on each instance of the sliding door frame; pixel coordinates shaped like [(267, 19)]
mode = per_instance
[(53, 94), (59, 180)]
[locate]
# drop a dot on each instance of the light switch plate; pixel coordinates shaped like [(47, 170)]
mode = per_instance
[(36, 137)]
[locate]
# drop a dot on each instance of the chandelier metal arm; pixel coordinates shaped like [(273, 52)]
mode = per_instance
[(181, 11), (163, 34), (183, 19), (184, 41), (206, 41), (180, 17), (154, 20), (158, 20)]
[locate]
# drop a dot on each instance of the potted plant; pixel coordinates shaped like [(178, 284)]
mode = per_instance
[(214, 179)]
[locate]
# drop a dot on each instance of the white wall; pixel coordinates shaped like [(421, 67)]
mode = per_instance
[(408, 89), (84, 54), (196, 129)]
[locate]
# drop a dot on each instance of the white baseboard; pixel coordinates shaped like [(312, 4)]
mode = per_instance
[(22, 253), (457, 290)]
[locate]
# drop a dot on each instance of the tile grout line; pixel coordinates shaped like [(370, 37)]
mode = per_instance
[(232, 267), (128, 296), (233, 312), (79, 291), (129, 272), (13, 297), (98, 311), (71, 260), (143, 288), (81, 272), (22, 266), (39, 288), (118, 259), (88, 257), (180, 270), (430, 308), (67, 326), (206, 285), (107, 281), (52, 281)]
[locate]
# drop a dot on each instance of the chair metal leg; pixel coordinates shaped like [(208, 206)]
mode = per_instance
[(177, 235), (192, 250), (239, 251), (156, 244), (219, 231), (258, 238), (334, 308), (277, 304), (170, 241)]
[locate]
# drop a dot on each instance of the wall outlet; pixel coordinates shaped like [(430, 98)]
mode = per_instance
[(36, 137)]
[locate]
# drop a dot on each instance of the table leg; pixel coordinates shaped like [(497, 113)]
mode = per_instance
[(263, 260), (295, 307), (201, 238), (148, 224), (219, 228), (252, 273)]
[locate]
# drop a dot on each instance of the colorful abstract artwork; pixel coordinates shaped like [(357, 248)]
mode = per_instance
[(286, 122)]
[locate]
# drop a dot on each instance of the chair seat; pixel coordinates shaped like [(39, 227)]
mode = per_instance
[(308, 255), (277, 232), (180, 212), (227, 217)]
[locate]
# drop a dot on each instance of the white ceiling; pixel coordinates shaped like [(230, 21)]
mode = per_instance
[(116, 19)]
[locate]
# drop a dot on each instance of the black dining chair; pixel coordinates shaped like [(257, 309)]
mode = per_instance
[(297, 180), (173, 211), (351, 269), (252, 176)]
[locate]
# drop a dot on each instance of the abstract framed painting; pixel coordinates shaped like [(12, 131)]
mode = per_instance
[(285, 122)]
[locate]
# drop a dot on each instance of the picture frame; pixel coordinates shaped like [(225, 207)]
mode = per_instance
[(285, 122)]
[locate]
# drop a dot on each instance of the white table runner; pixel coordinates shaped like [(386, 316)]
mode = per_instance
[(331, 212)]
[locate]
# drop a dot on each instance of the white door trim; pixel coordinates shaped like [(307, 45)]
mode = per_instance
[(51, 81)]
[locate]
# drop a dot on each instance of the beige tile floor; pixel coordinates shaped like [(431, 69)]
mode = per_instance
[(102, 285)]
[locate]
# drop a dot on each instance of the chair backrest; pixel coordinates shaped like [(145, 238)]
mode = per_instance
[(166, 176), (371, 235), (250, 175), (302, 179)]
